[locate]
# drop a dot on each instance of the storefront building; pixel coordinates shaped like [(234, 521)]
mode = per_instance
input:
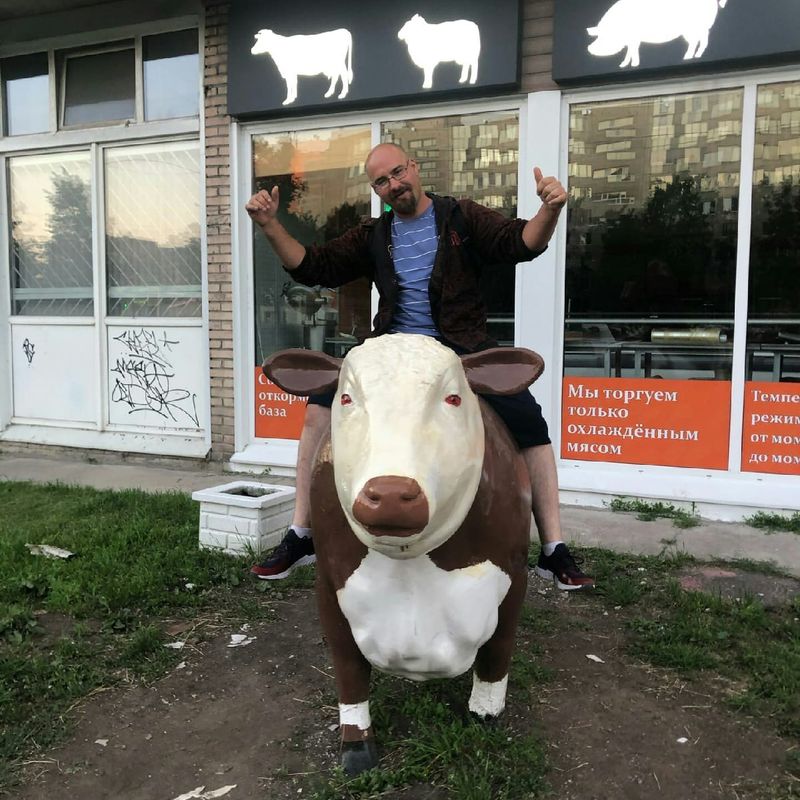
[(138, 302)]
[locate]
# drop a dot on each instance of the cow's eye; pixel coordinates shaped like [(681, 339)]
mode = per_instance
[(453, 400), (346, 400)]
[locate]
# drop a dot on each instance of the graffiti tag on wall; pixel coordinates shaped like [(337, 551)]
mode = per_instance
[(144, 378)]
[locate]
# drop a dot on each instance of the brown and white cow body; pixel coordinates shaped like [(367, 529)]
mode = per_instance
[(421, 510)]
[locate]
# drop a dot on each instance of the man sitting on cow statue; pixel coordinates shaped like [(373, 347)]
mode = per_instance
[(424, 257)]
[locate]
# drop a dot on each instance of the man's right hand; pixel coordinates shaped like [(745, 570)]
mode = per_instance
[(263, 206)]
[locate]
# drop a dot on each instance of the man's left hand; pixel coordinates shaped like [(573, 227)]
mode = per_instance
[(552, 193)]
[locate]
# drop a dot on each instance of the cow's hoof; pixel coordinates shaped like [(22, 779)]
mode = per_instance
[(358, 757), (491, 721)]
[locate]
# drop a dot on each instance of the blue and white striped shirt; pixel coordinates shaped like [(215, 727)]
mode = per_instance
[(414, 244)]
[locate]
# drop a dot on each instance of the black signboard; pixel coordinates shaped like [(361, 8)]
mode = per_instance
[(286, 57), (603, 40)]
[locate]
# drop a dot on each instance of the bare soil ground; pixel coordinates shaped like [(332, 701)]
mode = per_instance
[(263, 717)]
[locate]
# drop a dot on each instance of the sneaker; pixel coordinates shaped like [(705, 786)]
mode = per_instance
[(292, 552), (562, 567)]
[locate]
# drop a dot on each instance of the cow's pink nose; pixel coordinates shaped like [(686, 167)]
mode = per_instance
[(391, 505)]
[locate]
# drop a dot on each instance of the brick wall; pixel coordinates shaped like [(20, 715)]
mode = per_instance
[(218, 222), (537, 48), (537, 45)]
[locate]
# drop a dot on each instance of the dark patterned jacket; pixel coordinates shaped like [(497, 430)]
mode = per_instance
[(470, 235)]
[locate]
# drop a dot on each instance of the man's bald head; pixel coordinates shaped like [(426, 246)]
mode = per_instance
[(382, 151)]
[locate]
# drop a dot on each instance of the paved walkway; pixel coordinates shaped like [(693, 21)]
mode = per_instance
[(587, 527)]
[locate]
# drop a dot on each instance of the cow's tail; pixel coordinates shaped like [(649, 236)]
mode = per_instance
[(350, 57)]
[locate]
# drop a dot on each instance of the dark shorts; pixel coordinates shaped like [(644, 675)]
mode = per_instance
[(520, 412)]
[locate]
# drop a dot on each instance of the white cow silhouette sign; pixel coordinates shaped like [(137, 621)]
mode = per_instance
[(329, 54), (628, 23), (430, 44)]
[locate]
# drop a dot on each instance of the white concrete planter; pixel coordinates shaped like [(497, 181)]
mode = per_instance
[(241, 515)]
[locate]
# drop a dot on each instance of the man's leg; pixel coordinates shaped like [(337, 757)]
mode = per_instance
[(316, 423), (541, 464), (523, 418), (297, 547), (555, 560)]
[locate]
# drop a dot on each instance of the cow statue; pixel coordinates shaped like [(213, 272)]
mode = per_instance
[(329, 54), (628, 23), (429, 44), (421, 508)]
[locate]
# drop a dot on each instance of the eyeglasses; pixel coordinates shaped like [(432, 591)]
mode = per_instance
[(398, 173)]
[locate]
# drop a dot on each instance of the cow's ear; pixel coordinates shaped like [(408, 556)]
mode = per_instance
[(502, 370), (303, 372)]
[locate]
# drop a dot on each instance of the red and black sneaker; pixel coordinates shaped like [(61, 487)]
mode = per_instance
[(293, 551), (563, 568)]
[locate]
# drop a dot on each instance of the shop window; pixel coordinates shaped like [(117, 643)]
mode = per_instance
[(650, 277), (488, 144), (171, 63), (153, 261), (770, 439), (51, 234), (27, 94)]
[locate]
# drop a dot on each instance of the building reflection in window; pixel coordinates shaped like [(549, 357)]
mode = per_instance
[(651, 236), (773, 326)]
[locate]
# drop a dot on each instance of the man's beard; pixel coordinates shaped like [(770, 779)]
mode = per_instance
[(406, 203)]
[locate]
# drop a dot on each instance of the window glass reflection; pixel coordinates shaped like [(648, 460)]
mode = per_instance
[(26, 88), (99, 87), (773, 331), (153, 262), (651, 236), (473, 156), (323, 192), (51, 234), (171, 79)]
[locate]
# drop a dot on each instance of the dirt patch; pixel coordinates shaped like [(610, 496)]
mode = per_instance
[(263, 717), (736, 584)]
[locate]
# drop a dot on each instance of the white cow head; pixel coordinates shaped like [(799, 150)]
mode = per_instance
[(406, 431), (264, 41), (408, 30)]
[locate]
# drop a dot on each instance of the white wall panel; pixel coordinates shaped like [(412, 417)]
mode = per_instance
[(156, 376), (54, 372)]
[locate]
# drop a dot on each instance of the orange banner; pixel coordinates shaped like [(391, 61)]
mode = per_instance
[(646, 421), (279, 415), (771, 428)]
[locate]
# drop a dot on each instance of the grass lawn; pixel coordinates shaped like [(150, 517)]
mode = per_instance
[(136, 561), (70, 627)]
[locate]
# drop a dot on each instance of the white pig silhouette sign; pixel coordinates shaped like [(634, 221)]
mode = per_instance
[(628, 23), (329, 54), (429, 44)]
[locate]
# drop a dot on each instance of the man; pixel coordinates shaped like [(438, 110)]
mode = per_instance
[(421, 257)]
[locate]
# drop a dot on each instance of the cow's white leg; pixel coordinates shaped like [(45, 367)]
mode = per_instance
[(356, 714), (488, 699), (291, 90), (474, 71), (345, 85), (332, 87), (464, 71), (427, 72)]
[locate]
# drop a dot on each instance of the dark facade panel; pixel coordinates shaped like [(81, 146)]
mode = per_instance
[(638, 39), (363, 54)]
